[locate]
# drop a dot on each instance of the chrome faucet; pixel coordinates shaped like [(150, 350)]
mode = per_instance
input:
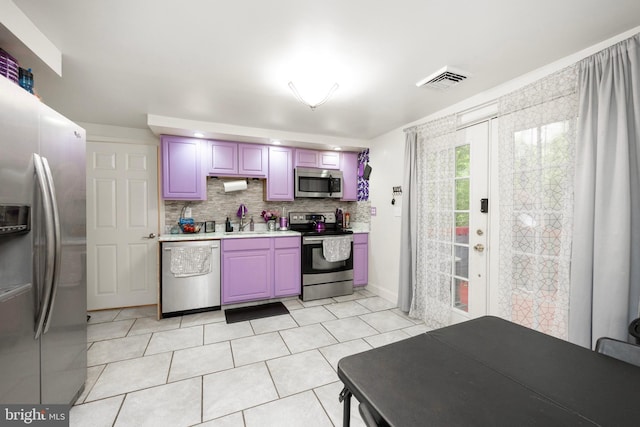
[(242, 211)]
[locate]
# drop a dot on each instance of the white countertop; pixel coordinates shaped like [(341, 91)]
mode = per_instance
[(356, 227), (360, 227), (218, 235)]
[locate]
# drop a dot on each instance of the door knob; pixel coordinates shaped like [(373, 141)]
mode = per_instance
[(151, 236), (479, 247)]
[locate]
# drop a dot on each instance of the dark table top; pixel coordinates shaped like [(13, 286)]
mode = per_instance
[(491, 372)]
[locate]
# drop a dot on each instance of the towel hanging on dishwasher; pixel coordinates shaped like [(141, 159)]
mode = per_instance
[(335, 249), (190, 261)]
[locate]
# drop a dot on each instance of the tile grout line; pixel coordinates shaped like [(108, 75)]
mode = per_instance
[(182, 325), (119, 410)]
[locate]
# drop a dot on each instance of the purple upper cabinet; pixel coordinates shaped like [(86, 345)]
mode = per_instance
[(253, 160), (222, 158), (306, 158), (280, 178), (329, 160), (317, 159), (182, 177), (349, 168)]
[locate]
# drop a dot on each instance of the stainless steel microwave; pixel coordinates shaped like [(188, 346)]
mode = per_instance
[(318, 183)]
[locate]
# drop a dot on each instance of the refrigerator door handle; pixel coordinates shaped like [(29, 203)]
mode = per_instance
[(57, 254), (47, 285)]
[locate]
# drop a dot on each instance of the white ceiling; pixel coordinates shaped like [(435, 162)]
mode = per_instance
[(230, 61)]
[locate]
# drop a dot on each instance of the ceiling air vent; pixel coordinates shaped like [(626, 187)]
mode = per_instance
[(443, 79)]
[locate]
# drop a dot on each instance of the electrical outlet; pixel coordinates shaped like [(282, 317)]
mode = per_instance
[(187, 213), (374, 211)]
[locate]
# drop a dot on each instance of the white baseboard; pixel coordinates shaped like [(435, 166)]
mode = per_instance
[(382, 293)]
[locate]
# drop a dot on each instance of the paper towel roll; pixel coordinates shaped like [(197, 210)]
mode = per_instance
[(235, 185)]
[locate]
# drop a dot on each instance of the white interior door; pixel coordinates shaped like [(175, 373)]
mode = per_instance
[(469, 293), (122, 225)]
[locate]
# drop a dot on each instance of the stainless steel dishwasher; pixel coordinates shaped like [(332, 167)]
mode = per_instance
[(185, 291)]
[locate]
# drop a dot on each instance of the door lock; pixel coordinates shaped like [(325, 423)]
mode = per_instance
[(479, 247), (151, 236)]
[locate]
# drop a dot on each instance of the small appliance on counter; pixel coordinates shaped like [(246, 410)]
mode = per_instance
[(284, 223), (327, 255)]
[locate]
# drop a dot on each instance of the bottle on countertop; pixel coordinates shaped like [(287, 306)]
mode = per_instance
[(251, 225), (339, 218), (227, 226), (347, 220)]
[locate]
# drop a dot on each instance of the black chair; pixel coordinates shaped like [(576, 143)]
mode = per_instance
[(620, 350), (634, 330), (370, 417)]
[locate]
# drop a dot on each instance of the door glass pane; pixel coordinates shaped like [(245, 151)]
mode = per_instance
[(462, 160), (461, 244), (461, 296), (462, 261), (462, 227), (462, 194)]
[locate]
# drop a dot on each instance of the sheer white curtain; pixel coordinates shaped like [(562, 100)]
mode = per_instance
[(535, 179), (606, 246), (409, 222), (432, 189)]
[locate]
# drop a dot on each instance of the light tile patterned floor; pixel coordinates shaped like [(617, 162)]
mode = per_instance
[(197, 370)]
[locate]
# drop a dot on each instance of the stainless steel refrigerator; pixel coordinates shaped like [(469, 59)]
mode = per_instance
[(43, 318)]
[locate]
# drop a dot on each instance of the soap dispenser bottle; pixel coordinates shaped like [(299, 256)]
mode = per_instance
[(251, 225)]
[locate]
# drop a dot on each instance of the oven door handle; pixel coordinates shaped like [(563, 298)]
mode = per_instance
[(319, 239)]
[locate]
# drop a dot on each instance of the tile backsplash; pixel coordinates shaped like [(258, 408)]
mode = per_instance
[(220, 205)]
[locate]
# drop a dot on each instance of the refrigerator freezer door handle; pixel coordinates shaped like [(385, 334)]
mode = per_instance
[(44, 289), (57, 254)]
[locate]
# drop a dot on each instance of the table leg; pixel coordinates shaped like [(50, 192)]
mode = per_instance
[(345, 398)]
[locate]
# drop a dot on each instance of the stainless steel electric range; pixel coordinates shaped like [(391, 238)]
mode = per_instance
[(327, 255)]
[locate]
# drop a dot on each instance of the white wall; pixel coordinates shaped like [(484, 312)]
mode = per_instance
[(387, 161)]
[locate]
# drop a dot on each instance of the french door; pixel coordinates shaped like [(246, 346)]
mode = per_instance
[(471, 207)]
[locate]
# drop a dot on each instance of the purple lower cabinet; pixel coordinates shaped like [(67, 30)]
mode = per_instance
[(246, 270), (360, 259), (287, 275), (260, 268)]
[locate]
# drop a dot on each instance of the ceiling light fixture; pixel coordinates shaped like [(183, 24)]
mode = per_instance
[(313, 100), (198, 134)]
